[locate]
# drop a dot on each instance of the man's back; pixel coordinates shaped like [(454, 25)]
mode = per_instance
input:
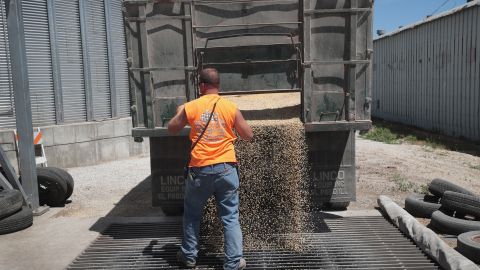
[(216, 144)]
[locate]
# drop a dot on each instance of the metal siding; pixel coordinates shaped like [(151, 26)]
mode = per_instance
[(7, 108), (405, 61), (462, 105), (119, 57), (396, 73), (388, 68), (477, 75), (69, 49), (436, 78), (375, 84), (456, 80), (428, 75), (424, 88), (449, 77), (433, 73), (471, 82), (39, 61), (466, 73), (395, 102), (98, 56), (418, 86), (409, 71), (441, 75), (471, 91)]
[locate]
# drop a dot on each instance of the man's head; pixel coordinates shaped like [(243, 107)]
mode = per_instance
[(209, 81)]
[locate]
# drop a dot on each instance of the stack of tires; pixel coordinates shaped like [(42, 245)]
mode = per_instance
[(13, 215), (55, 186), (453, 210)]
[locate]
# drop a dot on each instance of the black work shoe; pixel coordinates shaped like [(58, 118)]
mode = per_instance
[(242, 264), (184, 261)]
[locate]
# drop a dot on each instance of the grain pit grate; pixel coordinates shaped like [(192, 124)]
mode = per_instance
[(337, 243)]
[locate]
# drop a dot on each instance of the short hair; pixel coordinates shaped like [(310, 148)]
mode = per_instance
[(209, 76)]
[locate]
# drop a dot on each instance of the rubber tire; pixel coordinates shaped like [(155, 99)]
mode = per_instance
[(468, 247), (10, 202), (337, 206), (418, 205), (454, 226), (438, 186), (18, 221), (68, 179), (462, 203), (55, 187)]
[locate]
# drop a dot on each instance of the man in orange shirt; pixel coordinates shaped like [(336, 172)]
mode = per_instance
[(212, 168)]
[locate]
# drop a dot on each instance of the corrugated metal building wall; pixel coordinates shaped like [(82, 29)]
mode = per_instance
[(428, 75), (39, 62), (7, 108), (76, 59), (68, 43), (118, 55)]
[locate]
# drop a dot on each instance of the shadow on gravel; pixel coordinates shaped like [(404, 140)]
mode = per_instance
[(136, 203)]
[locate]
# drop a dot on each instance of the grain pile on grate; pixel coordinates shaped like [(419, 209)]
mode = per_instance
[(273, 170)]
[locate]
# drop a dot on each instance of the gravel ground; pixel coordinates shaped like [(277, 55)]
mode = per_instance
[(119, 188), (399, 169)]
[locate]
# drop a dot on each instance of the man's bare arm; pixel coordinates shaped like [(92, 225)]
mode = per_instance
[(179, 121), (242, 127)]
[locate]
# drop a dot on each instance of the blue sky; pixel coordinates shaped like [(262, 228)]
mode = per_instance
[(390, 14)]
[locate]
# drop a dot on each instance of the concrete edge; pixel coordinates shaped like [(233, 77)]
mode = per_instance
[(426, 239)]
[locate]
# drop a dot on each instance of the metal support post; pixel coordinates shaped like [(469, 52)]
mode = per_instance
[(351, 68), (188, 43), (87, 77), (147, 76), (131, 76), (57, 82), (22, 102), (307, 73), (111, 60)]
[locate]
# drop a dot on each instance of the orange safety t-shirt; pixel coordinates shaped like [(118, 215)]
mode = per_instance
[(216, 145)]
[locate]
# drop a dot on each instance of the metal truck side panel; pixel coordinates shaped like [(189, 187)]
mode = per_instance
[(320, 48), (332, 167)]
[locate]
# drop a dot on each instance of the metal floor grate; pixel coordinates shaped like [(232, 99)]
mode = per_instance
[(339, 243)]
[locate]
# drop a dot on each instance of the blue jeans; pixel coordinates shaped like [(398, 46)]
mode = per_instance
[(220, 180)]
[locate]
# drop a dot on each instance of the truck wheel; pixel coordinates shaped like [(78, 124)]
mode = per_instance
[(10, 202), (438, 186), (16, 222), (68, 179), (52, 187), (468, 244), (172, 210), (337, 206), (462, 203), (420, 205), (450, 225)]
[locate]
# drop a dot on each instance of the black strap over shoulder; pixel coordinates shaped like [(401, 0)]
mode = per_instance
[(203, 132)]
